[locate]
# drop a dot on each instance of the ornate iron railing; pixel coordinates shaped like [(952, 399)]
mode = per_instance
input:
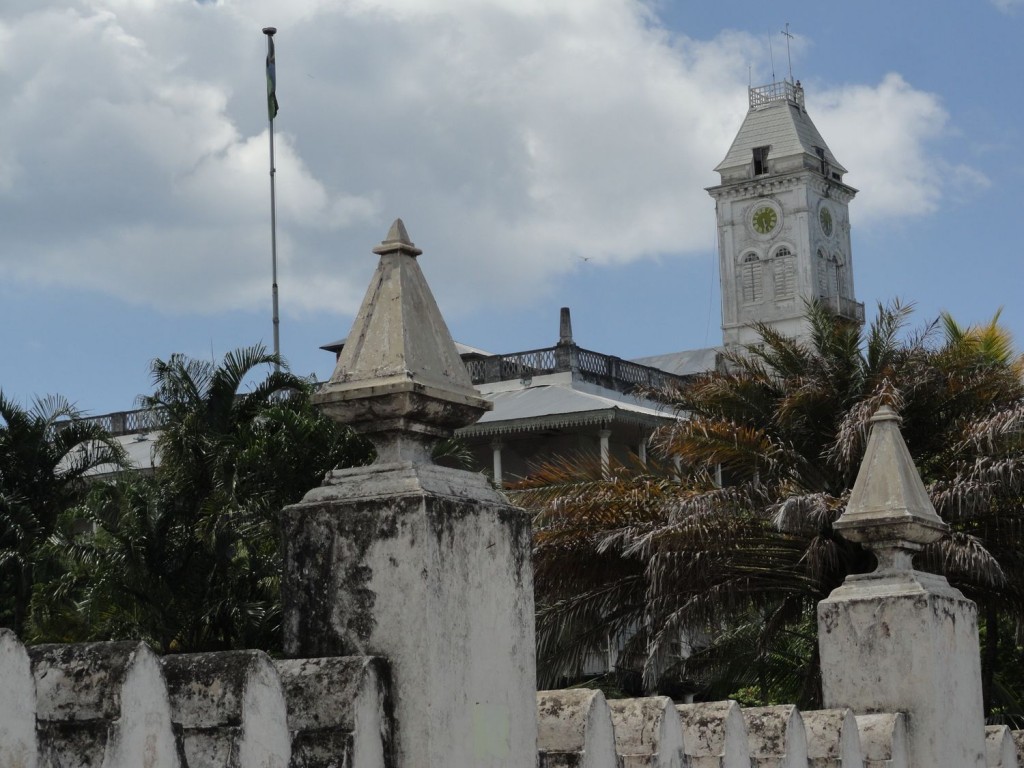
[(610, 371), (621, 374), (128, 422)]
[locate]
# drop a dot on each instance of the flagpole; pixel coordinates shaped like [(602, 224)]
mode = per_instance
[(271, 112)]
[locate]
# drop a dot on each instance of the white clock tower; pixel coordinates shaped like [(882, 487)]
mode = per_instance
[(783, 221)]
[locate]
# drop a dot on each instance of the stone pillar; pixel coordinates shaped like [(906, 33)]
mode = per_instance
[(498, 479), (1001, 752), (426, 566), (605, 434), (18, 746), (565, 328), (897, 639)]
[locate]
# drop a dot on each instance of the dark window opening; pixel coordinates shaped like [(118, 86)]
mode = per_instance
[(820, 151), (760, 160)]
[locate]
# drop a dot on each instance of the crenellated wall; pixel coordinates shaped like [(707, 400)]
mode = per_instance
[(120, 705)]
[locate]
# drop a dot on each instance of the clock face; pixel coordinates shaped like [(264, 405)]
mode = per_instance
[(764, 219), (825, 219)]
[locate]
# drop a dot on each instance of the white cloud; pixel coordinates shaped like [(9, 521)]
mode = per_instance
[(1008, 6), (512, 136)]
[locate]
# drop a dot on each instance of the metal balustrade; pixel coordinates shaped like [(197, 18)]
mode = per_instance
[(784, 91), (845, 308), (619, 373)]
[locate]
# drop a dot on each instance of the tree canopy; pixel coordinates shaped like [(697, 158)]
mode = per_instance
[(188, 558), (46, 452), (712, 558)]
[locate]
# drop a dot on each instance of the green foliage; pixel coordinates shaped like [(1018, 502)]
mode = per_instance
[(45, 455), (188, 559), (728, 542)]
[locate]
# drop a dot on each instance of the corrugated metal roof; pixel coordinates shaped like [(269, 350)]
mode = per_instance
[(783, 126), (685, 363), (533, 402)]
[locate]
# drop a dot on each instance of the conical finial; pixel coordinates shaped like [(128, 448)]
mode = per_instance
[(889, 510), (397, 241), (399, 378)]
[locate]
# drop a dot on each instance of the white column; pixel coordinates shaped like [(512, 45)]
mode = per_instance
[(642, 450), (897, 639), (604, 434), (496, 447)]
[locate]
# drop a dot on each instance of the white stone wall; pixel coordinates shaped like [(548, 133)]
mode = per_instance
[(117, 704)]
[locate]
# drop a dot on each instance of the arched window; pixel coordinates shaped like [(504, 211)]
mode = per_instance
[(842, 275), (785, 274), (824, 279), (751, 285)]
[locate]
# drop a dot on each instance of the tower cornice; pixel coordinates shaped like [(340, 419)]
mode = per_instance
[(769, 185)]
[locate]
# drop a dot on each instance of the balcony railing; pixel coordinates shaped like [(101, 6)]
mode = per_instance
[(848, 309), (784, 91), (128, 422), (611, 371)]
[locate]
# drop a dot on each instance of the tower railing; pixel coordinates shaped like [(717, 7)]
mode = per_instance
[(780, 91), (845, 308)]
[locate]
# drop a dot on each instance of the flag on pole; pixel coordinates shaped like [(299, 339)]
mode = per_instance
[(271, 79)]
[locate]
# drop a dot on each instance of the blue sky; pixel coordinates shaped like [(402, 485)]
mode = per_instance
[(542, 153)]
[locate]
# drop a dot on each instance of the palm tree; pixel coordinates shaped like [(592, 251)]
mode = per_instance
[(46, 453), (730, 542), (189, 560)]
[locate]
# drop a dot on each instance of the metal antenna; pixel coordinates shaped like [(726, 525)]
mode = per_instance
[(771, 52), (272, 113), (789, 58)]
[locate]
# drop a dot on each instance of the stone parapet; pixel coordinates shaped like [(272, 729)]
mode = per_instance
[(18, 745), (776, 736), (883, 740), (648, 732), (715, 734), (833, 739), (1000, 750), (231, 709), (339, 711), (102, 704), (574, 728)]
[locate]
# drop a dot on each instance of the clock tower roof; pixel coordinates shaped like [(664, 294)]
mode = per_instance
[(778, 122)]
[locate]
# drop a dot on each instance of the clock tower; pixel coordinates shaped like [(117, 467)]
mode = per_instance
[(783, 221)]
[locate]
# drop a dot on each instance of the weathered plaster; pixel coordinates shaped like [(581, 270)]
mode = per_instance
[(103, 704), (574, 730), (339, 711), (833, 739), (231, 708), (883, 740), (647, 732), (776, 736), (715, 734), (18, 747)]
